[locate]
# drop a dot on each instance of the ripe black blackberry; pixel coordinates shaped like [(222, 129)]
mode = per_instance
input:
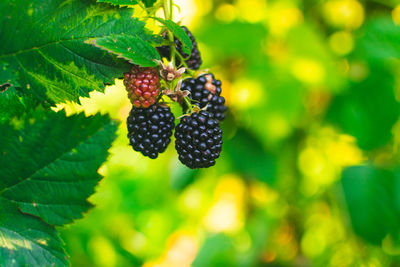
[(150, 129), (143, 86), (205, 89), (198, 140), (194, 62)]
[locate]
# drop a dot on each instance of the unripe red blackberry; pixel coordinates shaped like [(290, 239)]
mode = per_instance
[(194, 62), (198, 140), (206, 91), (143, 86), (150, 129)]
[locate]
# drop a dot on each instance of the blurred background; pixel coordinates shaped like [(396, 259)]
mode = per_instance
[(309, 173)]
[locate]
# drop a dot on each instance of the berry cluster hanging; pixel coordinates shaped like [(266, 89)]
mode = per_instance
[(198, 136)]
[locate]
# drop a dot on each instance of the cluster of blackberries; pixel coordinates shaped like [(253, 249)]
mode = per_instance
[(194, 60), (206, 91), (150, 125)]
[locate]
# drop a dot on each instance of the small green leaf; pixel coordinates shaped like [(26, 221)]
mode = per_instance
[(179, 33), (49, 167), (26, 240), (371, 200), (119, 2), (129, 47)]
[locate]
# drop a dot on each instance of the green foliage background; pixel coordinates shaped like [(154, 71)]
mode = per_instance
[(309, 171)]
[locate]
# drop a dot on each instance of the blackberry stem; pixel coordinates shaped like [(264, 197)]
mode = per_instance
[(188, 103), (168, 6), (168, 14), (183, 62)]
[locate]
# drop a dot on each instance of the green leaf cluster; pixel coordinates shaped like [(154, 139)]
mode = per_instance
[(55, 63)]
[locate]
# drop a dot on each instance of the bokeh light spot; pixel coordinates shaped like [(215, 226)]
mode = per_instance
[(348, 14), (341, 42), (282, 16), (226, 12), (308, 70), (246, 93), (226, 214), (252, 10), (396, 14)]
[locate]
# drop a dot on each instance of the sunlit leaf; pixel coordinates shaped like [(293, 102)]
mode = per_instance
[(129, 47), (26, 240), (179, 33), (54, 64), (49, 167)]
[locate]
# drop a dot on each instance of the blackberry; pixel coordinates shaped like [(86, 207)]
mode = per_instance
[(150, 129), (198, 140), (194, 62), (143, 86), (206, 90)]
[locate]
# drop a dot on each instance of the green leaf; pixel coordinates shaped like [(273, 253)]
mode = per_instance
[(27, 241), (179, 33), (381, 39), (119, 2), (148, 3), (129, 47), (368, 110), (49, 167), (11, 104), (222, 37), (217, 250), (54, 64), (371, 200), (249, 157), (8, 78)]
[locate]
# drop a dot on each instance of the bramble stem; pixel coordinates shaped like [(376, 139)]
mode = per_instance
[(188, 103), (171, 9), (168, 6), (165, 9)]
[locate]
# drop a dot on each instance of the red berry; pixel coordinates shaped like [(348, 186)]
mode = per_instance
[(143, 86)]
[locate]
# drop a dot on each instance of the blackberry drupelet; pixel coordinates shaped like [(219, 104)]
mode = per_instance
[(143, 86), (150, 129), (205, 89), (194, 62), (198, 140)]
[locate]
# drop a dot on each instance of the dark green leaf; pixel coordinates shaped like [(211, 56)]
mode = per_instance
[(119, 2), (8, 77), (129, 47), (368, 110), (381, 39), (248, 156), (10, 104), (26, 240), (179, 33), (49, 167), (54, 64), (148, 3), (371, 200)]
